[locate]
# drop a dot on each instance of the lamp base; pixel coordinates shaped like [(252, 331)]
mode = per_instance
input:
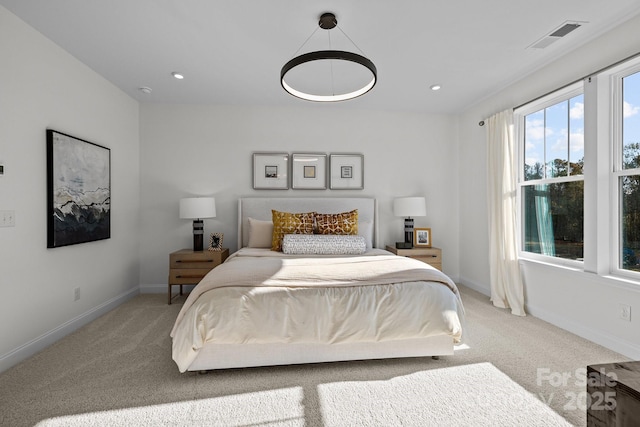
[(198, 231), (408, 231), (403, 245)]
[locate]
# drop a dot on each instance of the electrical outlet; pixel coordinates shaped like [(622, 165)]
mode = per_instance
[(625, 312), (76, 294), (7, 218)]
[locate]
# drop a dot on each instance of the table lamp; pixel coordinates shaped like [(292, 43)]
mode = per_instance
[(408, 207), (197, 208)]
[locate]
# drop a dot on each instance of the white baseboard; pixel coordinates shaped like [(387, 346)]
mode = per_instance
[(45, 340), (476, 286), (626, 348)]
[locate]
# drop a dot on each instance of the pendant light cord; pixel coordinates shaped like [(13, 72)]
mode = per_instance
[(333, 86), (352, 42), (305, 42), (329, 34)]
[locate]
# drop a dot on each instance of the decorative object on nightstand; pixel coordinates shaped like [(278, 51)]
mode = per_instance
[(422, 237), (215, 241), (431, 256), (188, 267), (408, 207), (198, 208)]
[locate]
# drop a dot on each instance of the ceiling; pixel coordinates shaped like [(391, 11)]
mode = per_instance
[(231, 52)]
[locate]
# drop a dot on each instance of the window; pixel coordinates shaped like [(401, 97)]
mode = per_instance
[(579, 179), (551, 177), (627, 170)]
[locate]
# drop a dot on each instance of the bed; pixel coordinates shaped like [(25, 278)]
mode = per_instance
[(263, 307)]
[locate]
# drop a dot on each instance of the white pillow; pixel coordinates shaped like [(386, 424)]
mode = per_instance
[(323, 244), (260, 233)]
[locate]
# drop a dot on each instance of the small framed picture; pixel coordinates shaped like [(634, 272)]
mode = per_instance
[(270, 171), (309, 171), (215, 241), (422, 237), (347, 171)]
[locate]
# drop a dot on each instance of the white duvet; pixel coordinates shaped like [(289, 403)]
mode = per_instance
[(260, 296)]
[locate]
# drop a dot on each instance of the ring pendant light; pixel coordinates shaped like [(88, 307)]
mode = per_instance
[(327, 22)]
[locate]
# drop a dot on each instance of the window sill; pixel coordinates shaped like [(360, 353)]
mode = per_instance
[(566, 264), (616, 281)]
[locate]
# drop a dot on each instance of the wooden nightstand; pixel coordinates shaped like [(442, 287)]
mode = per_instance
[(431, 256), (188, 267)]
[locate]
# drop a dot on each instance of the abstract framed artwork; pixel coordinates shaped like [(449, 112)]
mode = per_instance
[(78, 190), (309, 171), (270, 171), (346, 171), (422, 237)]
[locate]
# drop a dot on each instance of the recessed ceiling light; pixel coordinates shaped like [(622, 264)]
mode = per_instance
[(435, 87), (177, 75), (145, 89)]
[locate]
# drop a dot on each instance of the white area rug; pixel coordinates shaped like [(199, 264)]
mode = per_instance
[(468, 395)]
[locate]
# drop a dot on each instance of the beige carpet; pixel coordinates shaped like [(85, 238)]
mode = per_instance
[(118, 371)]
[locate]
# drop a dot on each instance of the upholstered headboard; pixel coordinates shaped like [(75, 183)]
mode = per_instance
[(260, 208)]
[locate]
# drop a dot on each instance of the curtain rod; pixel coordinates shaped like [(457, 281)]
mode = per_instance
[(615, 64)]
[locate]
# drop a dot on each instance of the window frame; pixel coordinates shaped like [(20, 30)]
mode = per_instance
[(520, 114), (603, 169), (615, 76)]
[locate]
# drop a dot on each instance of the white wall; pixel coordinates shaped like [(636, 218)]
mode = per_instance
[(579, 302), (42, 86), (206, 150)]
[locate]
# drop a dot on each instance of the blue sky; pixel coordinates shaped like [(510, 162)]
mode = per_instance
[(563, 133)]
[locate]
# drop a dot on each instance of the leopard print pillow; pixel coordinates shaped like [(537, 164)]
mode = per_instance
[(289, 223), (341, 223)]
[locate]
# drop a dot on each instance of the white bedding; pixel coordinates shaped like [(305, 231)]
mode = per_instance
[(261, 296)]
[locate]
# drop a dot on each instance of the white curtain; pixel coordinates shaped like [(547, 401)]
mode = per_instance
[(543, 218), (506, 281)]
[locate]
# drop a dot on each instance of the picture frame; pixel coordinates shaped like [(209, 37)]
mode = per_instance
[(309, 171), (78, 190), (422, 237), (346, 171), (270, 171), (215, 241)]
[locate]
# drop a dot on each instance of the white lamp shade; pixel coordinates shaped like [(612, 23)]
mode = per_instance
[(197, 207), (410, 206)]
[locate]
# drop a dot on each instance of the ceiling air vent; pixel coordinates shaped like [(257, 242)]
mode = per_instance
[(557, 34)]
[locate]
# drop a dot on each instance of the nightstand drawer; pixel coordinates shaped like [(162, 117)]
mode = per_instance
[(431, 256), (208, 259), (188, 267), (187, 276)]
